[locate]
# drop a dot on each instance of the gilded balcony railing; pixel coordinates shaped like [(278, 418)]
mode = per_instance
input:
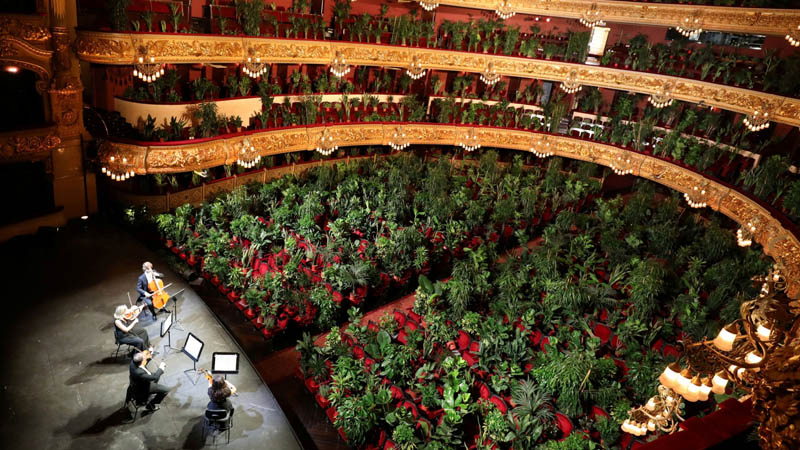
[(715, 18), (121, 48)]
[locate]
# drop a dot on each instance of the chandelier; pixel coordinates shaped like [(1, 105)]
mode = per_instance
[(339, 67), (415, 70), (690, 25), (146, 68), (662, 98), (661, 412), (248, 157), (697, 197), (399, 141), (118, 169), (571, 84), (590, 17), (622, 166), (504, 10), (794, 37), (757, 121), (745, 234), (470, 142), (253, 67), (758, 349), (325, 145), (428, 5), (490, 75), (541, 147)]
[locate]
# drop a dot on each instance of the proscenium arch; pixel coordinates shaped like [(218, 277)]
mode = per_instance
[(120, 48), (779, 242)]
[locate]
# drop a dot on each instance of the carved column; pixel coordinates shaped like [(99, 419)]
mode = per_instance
[(74, 189)]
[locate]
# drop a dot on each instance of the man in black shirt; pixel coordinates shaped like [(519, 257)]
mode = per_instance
[(145, 383)]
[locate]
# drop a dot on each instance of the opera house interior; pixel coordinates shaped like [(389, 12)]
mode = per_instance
[(400, 224)]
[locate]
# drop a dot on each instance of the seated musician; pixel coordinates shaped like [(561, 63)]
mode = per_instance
[(143, 286), (219, 392), (127, 329), (145, 383)]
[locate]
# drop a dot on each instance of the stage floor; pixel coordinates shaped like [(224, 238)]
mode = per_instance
[(61, 387)]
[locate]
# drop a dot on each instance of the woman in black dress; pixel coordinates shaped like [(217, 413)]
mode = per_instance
[(126, 330)]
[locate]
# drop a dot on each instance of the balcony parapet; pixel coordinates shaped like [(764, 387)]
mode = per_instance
[(29, 144), (714, 18), (121, 48)]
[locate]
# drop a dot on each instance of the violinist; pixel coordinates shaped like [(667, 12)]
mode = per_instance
[(219, 392), (142, 286), (145, 383), (127, 329)]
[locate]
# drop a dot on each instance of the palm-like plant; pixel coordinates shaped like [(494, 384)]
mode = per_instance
[(532, 413)]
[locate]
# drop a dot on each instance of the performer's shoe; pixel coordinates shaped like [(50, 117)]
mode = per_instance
[(152, 408)]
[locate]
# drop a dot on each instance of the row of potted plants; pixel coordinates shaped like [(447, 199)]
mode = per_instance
[(457, 371), (302, 248)]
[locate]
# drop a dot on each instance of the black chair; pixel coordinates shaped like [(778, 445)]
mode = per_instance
[(220, 421), (132, 403), (130, 349)]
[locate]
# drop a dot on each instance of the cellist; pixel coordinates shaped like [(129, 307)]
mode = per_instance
[(143, 286)]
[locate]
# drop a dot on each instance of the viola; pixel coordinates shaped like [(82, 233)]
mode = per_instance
[(210, 379), (133, 312), (160, 296)]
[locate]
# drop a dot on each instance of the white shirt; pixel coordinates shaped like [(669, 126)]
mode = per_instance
[(149, 276), (145, 369)]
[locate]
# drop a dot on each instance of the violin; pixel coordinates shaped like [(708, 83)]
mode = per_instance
[(133, 312), (160, 296)]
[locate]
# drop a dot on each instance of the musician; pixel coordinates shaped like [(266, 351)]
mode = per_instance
[(219, 392), (142, 286), (127, 329), (145, 383)]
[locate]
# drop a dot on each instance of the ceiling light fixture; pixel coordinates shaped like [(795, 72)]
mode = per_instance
[(490, 75), (504, 10), (339, 66), (470, 142), (415, 70)]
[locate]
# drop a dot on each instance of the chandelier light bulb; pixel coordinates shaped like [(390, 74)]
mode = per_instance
[(763, 333), (719, 382), (752, 358), (725, 338)]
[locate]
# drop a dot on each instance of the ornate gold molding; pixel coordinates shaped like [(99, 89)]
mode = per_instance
[(26, 27), (777, 241), (20, 53), (716, 18), (29, 144), (116, 48)]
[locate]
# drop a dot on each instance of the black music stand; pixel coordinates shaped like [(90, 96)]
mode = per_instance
[(166, 326), (175, 297), (193, 347)]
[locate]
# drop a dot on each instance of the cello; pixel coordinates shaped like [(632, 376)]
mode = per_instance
[(160, 296)]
